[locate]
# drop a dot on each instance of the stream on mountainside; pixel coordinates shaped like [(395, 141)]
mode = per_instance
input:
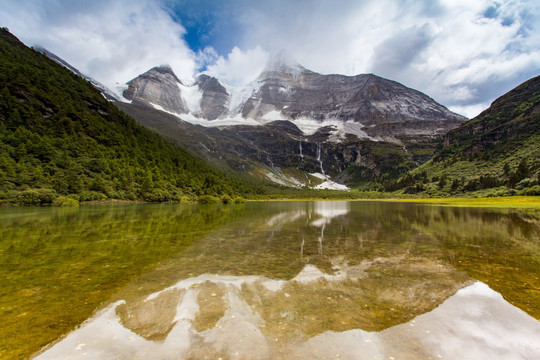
[(313, 279)]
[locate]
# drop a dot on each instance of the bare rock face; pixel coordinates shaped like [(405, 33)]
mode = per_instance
[(214, 97), (385, 108), (158, 86)]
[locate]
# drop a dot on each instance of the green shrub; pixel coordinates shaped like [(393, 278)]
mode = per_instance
[(226, 199), (65, 201), (91, 196), (239, 200), (36, 197), (185, 200), (157, 195), (532, 191), (208, 199)]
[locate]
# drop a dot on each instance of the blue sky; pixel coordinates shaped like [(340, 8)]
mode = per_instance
[(208, 23), (463, 53)]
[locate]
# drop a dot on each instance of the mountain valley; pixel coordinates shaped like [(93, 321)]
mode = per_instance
[(291, 123)]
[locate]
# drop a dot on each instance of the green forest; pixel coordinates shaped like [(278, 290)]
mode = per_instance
[(61, 142)]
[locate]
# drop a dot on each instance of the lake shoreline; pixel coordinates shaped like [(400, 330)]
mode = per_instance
[(505, 201), (500, 202)]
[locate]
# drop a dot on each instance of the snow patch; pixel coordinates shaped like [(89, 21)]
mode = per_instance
[(309, 126), (339, 128), (192, 97), (160, 108), (284, 180), (332, 185), (328, 183), (227, 121), (238, 95), (284, 89), (118, 91), (319, 176), (273, 115)]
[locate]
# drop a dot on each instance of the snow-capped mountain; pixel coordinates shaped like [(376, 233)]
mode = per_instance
[(350, 128), (291, 125), (366, 106)]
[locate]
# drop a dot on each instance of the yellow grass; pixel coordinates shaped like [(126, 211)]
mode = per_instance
[(506, 201)]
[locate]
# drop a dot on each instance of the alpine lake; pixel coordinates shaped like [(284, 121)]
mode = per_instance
[(270, 280)]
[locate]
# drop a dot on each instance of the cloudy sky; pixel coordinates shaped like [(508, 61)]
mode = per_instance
[(463, 53)]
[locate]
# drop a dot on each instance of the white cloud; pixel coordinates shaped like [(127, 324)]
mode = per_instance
[(208, 56), (112, 41), (470, 111), (240, 67)]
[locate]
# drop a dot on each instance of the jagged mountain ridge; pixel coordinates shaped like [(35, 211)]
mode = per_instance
[(366, 106), (298, 93)]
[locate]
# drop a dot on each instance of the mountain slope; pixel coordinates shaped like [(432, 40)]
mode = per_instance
[(280, 149), (366, 106), (500, 148), (59, 136)]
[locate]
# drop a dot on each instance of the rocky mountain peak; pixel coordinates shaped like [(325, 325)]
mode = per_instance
[(158, 87), (165, 70)]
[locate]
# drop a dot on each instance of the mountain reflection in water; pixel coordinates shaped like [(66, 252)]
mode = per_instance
[(257, 318), (332, 280)]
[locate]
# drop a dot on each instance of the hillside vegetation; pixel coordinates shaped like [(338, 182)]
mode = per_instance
[(497, 153), (60, 140)]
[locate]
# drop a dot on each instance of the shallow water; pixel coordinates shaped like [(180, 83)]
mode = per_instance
[(270, 280)]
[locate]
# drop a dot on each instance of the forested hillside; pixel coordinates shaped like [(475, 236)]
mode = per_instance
[(496, 153), (60, 138)]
